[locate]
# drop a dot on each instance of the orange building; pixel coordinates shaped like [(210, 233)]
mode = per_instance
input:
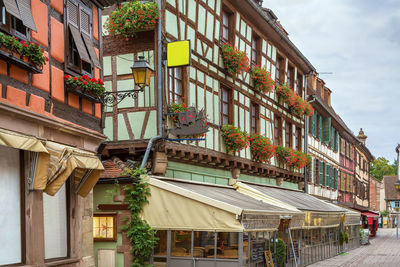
[(49, 133)]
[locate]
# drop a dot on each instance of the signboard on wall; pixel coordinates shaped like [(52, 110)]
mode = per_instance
[(179, 54)]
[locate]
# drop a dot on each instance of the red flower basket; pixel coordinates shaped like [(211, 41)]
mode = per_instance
[(235, 61), (235, 139), (262, 149), (262, 79)]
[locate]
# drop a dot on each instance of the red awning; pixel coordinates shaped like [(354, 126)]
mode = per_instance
[(370, 216)]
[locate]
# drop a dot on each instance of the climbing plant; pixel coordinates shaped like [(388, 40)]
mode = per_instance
[(139, 232)]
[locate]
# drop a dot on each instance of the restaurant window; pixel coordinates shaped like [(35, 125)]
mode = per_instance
[(226, 105), (10, 197), (55, 224), (254, 113), (81, 56), (278, 130), (226, 26), (288, 134), (280, 65), (105, 227), (297, 139), (227, 245), (203, 244), (181, 242), (160, 248), (254, 50), (175, 85), (290, 77), (16, 18)]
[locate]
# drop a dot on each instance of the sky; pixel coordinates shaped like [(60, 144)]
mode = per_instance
[(359, 41)]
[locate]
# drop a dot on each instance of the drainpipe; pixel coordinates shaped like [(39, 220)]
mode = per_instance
[(159, 89), (306, 123)]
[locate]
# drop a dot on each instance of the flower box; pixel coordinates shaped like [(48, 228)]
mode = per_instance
[(235, 139), (262, 79), (297, 105), (86, 87), (292, 158), (262, 149), (132, 17), (235, 61)]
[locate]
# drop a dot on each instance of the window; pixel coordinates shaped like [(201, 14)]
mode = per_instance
[(81, 56), (313, 124), (297, 139), (203, 244), (228, 244), (16, 17), (254, 48), (254, 113), (175, 85), (226, 26), (105, 227), (299, 85), (280, 64), (278, 130), (290, 77), (327, 174), (225, 106), (55, 216), (397, 204), (288, 134), (10, 217), (181, 243)]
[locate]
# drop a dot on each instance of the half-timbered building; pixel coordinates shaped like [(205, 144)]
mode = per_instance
[(48, 135)]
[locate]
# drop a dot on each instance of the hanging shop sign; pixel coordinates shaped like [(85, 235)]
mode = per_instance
[(179, 54), (189, 123)]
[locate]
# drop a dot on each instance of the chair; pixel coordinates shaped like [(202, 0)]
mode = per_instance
[(199, 252)]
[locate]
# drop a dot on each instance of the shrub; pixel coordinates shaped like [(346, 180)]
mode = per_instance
[(235, 61), (262, 149), (262, 79), (86, 84), (132, 17), (235, 139), (280, 253)]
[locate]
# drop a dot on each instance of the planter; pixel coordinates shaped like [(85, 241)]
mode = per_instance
[(6, 50), (26, 59), (79, 92)]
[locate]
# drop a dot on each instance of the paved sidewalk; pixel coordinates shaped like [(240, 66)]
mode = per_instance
[(384, 251)]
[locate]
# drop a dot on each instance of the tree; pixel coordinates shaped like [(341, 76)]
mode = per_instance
[(380, 167), (394, 165)]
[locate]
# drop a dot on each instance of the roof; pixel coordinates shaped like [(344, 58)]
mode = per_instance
[(298, 199), (391, 193), (228, 195), (113, 168)]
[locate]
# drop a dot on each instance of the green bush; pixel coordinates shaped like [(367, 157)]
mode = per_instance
[(280, 253)]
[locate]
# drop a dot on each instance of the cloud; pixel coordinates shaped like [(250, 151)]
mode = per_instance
[(358, 41)]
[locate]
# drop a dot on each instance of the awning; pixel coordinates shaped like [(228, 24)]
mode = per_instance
[(65, 160), (318, 214), (28, 143), (370, 216), (191, 206), (352, 217)]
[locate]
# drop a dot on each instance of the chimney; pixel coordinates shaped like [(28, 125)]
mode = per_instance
[(362, 136), (279, 25)]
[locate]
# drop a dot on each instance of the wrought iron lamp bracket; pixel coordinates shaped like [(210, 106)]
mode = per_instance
[(110, 99)]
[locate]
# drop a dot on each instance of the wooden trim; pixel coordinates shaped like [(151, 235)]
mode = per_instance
[(112, 207), (145, 122), (128, 126)]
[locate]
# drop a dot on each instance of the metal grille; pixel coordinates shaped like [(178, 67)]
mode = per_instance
[(72, 13), (85, 22)]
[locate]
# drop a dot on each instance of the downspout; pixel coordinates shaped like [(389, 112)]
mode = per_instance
[(306, 123), (159, 89)]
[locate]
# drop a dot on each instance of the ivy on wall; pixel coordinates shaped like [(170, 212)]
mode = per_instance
[(139, 232)]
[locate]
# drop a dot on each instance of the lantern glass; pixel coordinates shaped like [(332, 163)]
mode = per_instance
[(142, 72)]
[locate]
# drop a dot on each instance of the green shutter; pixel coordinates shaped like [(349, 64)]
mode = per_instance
[(332, 177), (333, 138), (327, 174), (320, 128), (321, 172), (337, 141), (314, 124), (326, 131), (315, 171), (336, 178)]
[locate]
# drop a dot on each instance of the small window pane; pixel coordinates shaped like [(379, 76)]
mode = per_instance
[(103, 227), (204, 246), (181, 243), (161, 246), (227, 245)]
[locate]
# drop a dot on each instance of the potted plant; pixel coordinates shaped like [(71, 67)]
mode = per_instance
[(262, 79), (309, 110), (10, 44), (291, 157), (235, 61), (285, 94), (86, 84), (34, 53), (132, 17), (262, 149), (235, 139), (298, 107), (175, 107)]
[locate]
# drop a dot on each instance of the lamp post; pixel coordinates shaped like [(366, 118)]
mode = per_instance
[(141, 72)]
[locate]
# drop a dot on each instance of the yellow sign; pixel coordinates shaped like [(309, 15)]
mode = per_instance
[(178, 54)]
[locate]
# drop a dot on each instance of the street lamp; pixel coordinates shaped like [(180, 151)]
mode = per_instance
[(141, 72)]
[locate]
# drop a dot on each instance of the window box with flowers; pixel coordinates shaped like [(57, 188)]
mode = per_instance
[(235, 139), (262, 79), (290, 158), (175, 108), (297, 105), (84, 86), (262, 149), (26, 55), (132, 17), (235, 61)]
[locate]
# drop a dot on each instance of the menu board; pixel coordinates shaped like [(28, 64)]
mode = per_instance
[(257, 251)]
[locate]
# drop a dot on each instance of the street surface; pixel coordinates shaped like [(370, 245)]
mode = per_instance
[(384, 251)]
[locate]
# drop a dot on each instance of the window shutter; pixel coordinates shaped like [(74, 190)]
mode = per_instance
[(321, 172), (332, 177), (12, 8), (85, 19), (336, 179), (326, 136), (314, 124), (25, 11), (90, 48), (333, 138), (72, 13), (315, 171), (337, 141), (320, 128), (79, 43), (327, 174)]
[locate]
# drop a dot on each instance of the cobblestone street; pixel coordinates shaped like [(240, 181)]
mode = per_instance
[(384, 251)]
